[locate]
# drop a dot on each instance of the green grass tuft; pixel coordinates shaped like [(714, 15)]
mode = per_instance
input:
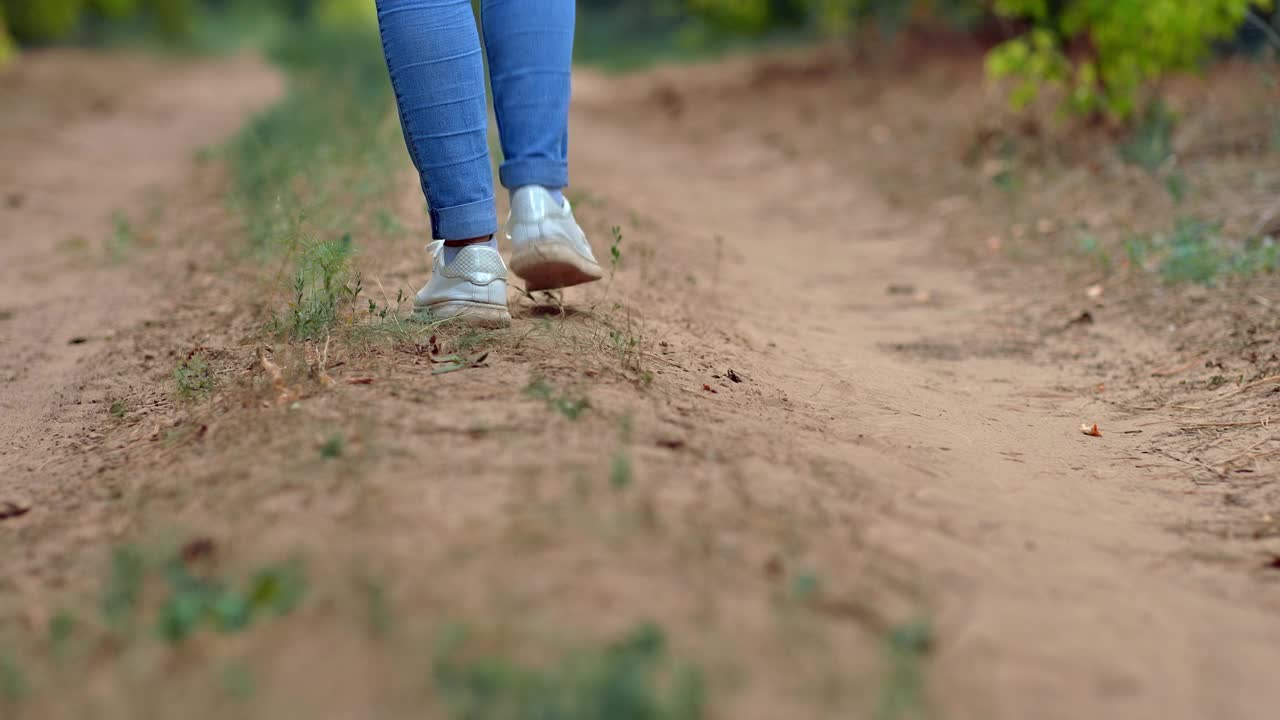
[(333, 447), (308, 173), (570, 407), (630, 678), (1197, 252), (903, 694), (193, 377)]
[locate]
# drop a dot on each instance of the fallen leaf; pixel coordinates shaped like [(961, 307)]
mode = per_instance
[(359, 381), (709, 389), (671, 443), (10, 509), (1092, 431)]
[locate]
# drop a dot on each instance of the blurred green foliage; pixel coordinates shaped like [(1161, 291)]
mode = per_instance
[(114, 9), (43, 21), (1101, 54), (1104, 52), (7, 48)]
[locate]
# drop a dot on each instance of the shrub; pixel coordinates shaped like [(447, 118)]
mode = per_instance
[(114, 9), (1101, 53), (42, 21), (7, 48), (1104, 52)]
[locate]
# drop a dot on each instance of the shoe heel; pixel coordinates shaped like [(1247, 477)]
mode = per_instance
[(550, 266)]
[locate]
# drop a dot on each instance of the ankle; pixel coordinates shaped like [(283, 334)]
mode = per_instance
[(453, 247)]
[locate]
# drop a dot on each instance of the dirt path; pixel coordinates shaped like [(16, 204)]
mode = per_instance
[(115, 144), (908, 448), (1061, 591)]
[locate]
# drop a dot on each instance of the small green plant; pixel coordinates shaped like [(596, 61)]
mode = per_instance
[(333, 447), (805, 586), (1137, 250), (196, 601), (630, 678), (1150, 143), (118, 409), (13, 682), (1192, 253), (193, 598), (193, 377), (1196, 251), (1007, 180), (122, 240), (378, 616), (124, 588), (382, 312), (323, 283), (61, 628), (1150, 146), (620, 470), (570, 407), (615, 256), (903, 694), (1092, 247)]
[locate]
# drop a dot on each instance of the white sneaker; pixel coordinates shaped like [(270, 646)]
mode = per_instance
[(473, 287), (549, 250)]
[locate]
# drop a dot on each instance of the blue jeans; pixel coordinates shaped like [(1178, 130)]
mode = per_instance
[(433, 53)]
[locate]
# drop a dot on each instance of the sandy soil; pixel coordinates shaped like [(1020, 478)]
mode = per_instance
[(902, 422)]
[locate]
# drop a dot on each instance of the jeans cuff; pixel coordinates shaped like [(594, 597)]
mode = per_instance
[(463, 222), (552, 174)]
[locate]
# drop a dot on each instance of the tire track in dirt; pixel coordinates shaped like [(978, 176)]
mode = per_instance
[(114, 144), (1060, 592)]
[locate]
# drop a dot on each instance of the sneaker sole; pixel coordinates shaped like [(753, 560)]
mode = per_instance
[(472, 313), (550, 266)]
